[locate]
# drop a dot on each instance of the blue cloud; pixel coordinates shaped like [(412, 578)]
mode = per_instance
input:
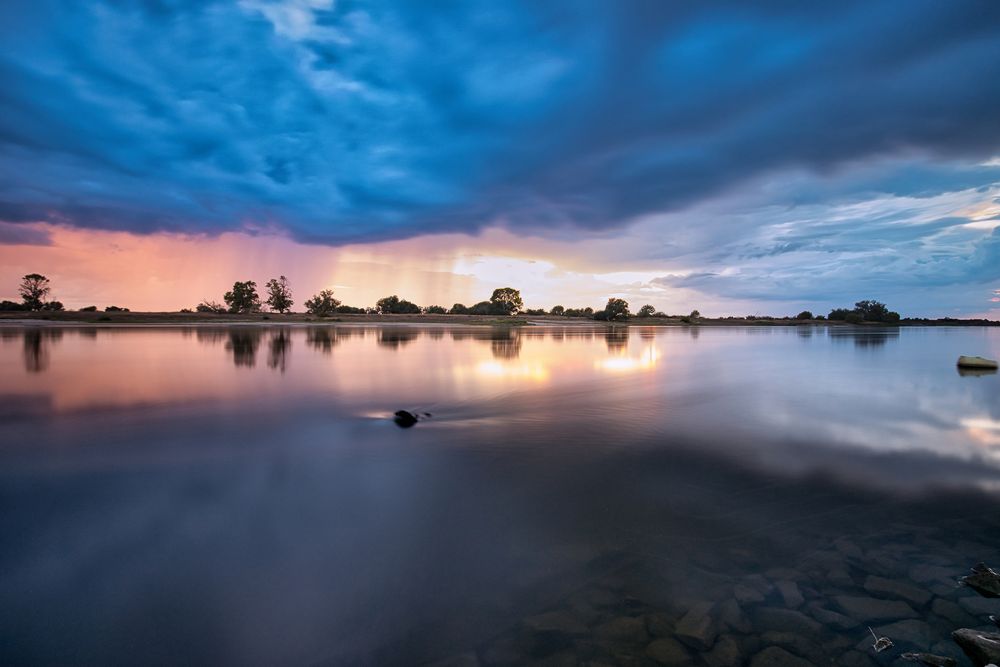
[(354, 122)]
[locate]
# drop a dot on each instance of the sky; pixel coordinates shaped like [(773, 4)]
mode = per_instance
[(734, 157)]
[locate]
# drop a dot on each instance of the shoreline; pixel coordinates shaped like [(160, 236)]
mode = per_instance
[(119, 319)]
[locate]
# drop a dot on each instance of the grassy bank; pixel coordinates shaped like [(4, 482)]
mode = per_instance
[(174, 318)]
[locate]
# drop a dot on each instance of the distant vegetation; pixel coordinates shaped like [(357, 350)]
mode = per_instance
[(35, 290), (865, 311)]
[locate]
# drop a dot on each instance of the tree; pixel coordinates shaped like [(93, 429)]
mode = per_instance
[(322, 304), (243, 298), (279, 295), (33, 289), (506, 301), (396, 306), (646, 311), (387, 304), (617, 309), (435, 310), (459, 309), (694, 314), (52, 305), (838, 314), (804, 315), (873, 311), (482, 308), (557, 310)]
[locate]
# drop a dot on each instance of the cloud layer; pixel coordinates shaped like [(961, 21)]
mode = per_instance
[(737, 148)]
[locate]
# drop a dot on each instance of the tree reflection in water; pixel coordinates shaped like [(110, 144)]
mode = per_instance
[(243, 343), (36, 348), (278, 347)]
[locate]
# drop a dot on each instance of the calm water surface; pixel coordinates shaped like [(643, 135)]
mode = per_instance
[(578, 495)]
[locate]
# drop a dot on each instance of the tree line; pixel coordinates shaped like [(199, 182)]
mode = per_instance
[(244, 298)]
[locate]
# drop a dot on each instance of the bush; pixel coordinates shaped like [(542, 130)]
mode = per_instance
[(557, 310), (89, 309), (854, 317), (646, 311), (435, 310), (396, 306), (804, 315), (116, 309), (839, 314), (535, 311), (322, 304), (11, 306), (210, 307), (53, 306), (350, 310), (459, 309)]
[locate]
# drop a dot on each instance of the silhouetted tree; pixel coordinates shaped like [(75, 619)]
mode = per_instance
[(535, 311), (12, 306), (459, 309), (243, 298), (646, 311), (350, 310), (115, 309), (804, 315), (396, 306), (33, 289), (89, 309), (52, 305), (506, 301), (838, 314), (616, 310), (279, 295), (435, 310), (322, 304), (694, 314), (557, 310)]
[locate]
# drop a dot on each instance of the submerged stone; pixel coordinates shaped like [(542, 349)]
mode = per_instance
[(696, 628), (873, 609), (668, 652), (773, 656), (790, 593), (887, 587)]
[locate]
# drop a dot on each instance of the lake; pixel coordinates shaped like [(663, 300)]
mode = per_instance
[(577, 495)]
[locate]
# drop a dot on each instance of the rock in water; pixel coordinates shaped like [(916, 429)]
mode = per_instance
[(984, 580), (404, 419), (930, 659), (981, 647), (977, 362)]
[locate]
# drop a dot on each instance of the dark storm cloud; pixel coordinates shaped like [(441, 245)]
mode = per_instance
[(358, 122)]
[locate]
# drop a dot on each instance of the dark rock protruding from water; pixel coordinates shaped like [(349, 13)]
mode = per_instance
[(982, 648), (405, 419), (984, 580), (930, 659)]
